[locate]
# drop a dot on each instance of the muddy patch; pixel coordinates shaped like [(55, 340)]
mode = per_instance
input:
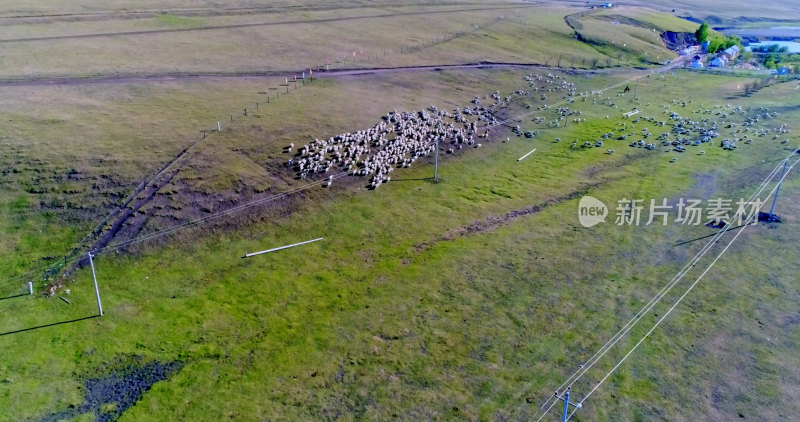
[(109, 395)]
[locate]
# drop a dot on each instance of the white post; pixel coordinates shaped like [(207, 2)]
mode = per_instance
[(219, 127), (523, 157), (96, 290), (282, 247), (30, 287), (436, 162)]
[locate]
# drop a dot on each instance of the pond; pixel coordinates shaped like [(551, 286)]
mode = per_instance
[(794, 47)]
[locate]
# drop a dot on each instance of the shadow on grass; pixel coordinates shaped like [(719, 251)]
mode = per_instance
[(419, 179), (12, 297), (706, 237), (48, 325)]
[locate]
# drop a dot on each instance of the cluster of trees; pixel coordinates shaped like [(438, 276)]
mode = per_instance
[(772, 48), (722, 42), (716, 42), (771, 55), (756, 85)]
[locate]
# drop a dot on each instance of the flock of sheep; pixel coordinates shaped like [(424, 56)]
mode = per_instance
[(398, 140), (401, 138)]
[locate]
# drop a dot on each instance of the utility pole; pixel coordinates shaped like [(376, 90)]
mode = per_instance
[(96, 290), (567, 404), (775, 199)]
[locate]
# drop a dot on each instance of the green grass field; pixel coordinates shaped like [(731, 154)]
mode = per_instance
[(467, 299)]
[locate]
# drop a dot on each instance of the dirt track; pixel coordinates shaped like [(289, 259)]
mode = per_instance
[(247, 25), (95, 16), (124, 78)]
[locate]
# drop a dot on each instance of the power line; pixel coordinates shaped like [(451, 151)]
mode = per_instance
[(606, 347), (612, 342), (688, 290), (653, 301), (699, 255)]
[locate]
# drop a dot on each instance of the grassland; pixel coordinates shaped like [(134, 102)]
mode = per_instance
[(265, 42), (328, 330), (729, 13), (467, 299), (629, 34), (119, 133)]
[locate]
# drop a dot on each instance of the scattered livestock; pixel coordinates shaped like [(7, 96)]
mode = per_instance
[(401, 138)]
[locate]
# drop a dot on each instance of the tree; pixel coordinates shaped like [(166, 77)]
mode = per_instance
[(731, 41), (715, 44), (770, 63), (702, 33)]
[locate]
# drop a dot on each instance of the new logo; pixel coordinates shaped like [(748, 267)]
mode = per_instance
[(591, 211)]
